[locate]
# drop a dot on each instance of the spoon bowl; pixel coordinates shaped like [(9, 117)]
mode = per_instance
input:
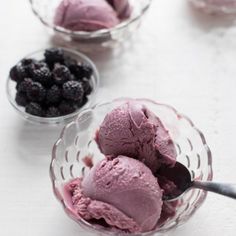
[(181, 177)]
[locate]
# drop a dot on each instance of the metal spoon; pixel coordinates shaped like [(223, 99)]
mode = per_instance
[(181, 176)]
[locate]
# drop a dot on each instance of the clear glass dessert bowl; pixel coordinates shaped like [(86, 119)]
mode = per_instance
[(38, 55), (216, 6), (76, 146), (45, 11)]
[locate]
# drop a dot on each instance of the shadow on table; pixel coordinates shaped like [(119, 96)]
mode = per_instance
[(34, 142), (208, 22), (104, 58)]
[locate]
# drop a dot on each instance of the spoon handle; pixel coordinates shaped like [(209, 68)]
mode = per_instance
[(228, 190)]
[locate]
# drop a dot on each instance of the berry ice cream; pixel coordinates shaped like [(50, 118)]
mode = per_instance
[(91, 15), (125, 189), (123, 192), (135, 131), (216, 6)]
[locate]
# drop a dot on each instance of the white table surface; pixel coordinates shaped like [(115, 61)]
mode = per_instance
[(179, 57)]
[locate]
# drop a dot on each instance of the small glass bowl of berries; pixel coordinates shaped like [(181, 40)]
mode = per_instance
[(51, 86)]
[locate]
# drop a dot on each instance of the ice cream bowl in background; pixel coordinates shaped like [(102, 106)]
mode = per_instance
[(215, 6), (76, 151), (38, 57), (218, 7), (91, 38)]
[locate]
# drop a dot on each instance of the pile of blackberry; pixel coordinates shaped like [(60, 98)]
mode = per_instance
[(55, 86)]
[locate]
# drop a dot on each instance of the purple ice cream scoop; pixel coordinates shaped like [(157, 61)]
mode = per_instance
[(133, 130), (91, 15), (85, 15), (123, 192)]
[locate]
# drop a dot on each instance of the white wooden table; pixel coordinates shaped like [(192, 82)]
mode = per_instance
[(179, 57)]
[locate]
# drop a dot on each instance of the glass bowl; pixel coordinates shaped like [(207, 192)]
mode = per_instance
[(216, 6), (77, 142), (11, 90), (45, 10)]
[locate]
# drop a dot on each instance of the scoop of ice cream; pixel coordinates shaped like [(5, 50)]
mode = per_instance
[(122, 7), (83, 207), (132, 130), (85, 15), (123, 192)]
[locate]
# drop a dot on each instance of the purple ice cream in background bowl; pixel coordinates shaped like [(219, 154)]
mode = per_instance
[(86, 24), (215, 6), (104, 177)]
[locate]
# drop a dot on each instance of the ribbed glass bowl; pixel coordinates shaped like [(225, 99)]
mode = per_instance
[(216, 6), (11, 90), (77, 142), (45, 11)]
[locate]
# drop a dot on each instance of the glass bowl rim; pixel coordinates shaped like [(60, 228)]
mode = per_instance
[(83, 222), (59, 119), (93, 34)]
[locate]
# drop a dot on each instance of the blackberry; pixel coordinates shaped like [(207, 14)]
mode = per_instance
[(27, 63), (85, 100), (66, 107), (54, 55), (35, 109), (81, 70), (53, 112), (73, 90), (36, 93), (53, 95), (14, 73), (21, 99), (73, 77), (87, 70), (76, 71), (61, 74), (86, 86), (37, 65), (70, 62), (41, 73), (24, 85), (18, 73)]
